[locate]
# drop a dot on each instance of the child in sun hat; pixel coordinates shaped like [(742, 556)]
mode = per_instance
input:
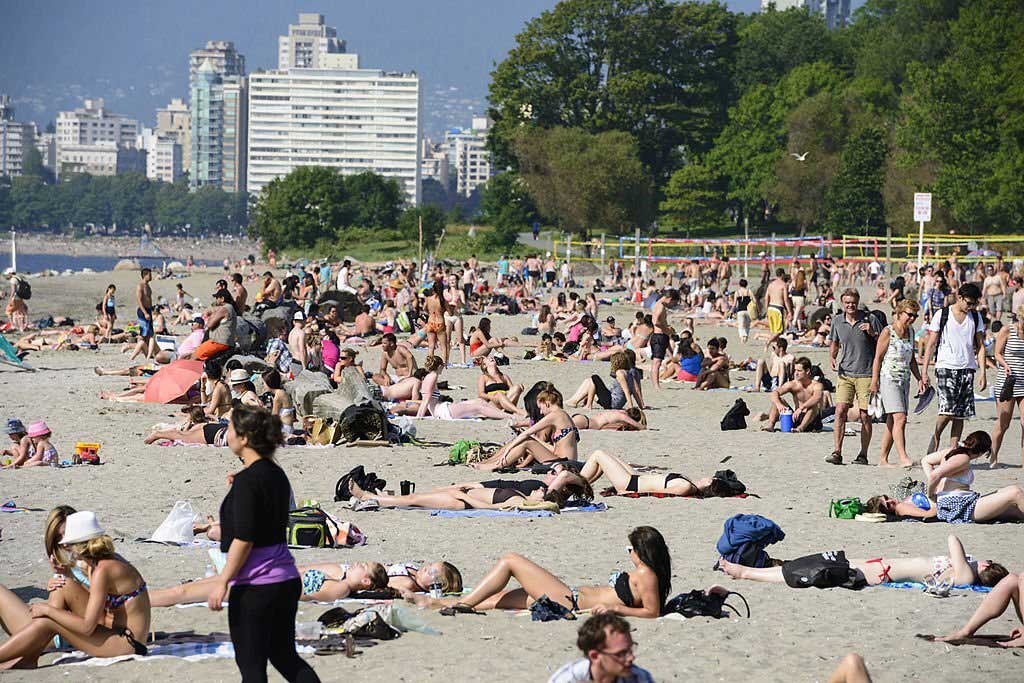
[(20, 443), (40, 450)]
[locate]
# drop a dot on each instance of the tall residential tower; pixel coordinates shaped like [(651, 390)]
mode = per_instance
[(218, 117)]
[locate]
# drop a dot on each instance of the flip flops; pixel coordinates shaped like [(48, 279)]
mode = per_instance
[(460, 608)]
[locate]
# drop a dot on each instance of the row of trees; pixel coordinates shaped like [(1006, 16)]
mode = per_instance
[(129, 201), (614, 111)]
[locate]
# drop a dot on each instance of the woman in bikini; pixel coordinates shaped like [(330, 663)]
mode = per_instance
[(957, 568), (436, 328), (430, 400), (631, 420), (280, 402), (481, 343), (456, 303), (640, 592), (625, 479), (101, 620), (495, 386), (325, 582), (527, 448)]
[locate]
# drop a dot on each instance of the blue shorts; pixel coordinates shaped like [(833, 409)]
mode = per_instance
[(145, 326)]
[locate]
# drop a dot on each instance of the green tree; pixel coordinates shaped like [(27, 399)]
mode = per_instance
[(586, 181), (171, 205), (128, 200), (32, 165), (693, 198), (854, 200), (372, 201), (301, 208), (655, 70), (433, 224), (29, 202), (507, 205)]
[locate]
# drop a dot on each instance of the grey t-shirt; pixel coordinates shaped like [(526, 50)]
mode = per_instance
[(856, 348)]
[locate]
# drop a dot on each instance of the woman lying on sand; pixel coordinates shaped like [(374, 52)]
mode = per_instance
[(638, 593), (832, 570), (100, 616), (632, 420), (625, 479), (1010, 588), (326, 582), (430, 400), (526, 448), (488, 495)]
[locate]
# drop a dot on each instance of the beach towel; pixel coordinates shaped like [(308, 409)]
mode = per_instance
[(917, 586), (11, 506), (9, 356), (608, 492), (595, 507), (187, 651)]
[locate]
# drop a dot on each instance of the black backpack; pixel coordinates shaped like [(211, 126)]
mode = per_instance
[(310, 527), (22, 289), (729, 481), (363, 421), (697, 603), (734, 418)]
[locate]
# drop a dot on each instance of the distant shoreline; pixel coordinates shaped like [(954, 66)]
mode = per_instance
[(176, 248)]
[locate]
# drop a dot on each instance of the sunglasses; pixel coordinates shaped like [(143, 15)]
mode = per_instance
[(622, 654)]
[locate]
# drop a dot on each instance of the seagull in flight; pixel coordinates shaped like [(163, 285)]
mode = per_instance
[(799, 157)]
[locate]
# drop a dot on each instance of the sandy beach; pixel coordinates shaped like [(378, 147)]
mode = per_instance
[(792, 635)]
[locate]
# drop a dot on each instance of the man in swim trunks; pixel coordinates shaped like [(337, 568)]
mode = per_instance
[(780, 307), (398, 357), (807, 396), (144, 299), (660, 338)]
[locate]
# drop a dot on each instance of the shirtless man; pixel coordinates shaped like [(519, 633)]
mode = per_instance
[(994, 289), (297, 339), (776, 369), (660, 339), (365, 324), (144, 300), (807, 395), (270, 295), (395, 356), (780, 307), (239, 293), (714, 373)]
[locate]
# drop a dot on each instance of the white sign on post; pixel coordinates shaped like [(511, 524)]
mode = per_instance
[(922, 206)]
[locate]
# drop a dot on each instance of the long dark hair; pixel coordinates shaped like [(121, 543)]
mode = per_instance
[(530, 400), (977, 443), (650, 547)]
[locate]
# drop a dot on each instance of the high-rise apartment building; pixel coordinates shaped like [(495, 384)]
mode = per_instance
[(15, 138), (218, 117), (308, 43), (351, 119), (86, 136), (101, 158), (468, 155), (434, 162), (175, 121), (835, 12), (163, 155)]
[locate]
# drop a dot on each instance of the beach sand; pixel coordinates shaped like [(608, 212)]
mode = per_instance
[(792, 634)]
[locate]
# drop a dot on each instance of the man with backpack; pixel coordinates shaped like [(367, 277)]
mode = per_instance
[(17, 309), (956, 337)]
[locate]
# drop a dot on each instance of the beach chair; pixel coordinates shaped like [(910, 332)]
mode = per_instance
[(9, 356)]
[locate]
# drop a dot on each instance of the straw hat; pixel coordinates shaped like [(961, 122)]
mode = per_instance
[(80, 527), (238, 376), (38, 429)]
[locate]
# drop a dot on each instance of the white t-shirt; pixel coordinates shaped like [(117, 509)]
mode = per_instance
[(579, 672), (874, 267), (956, 348), (343, 278)]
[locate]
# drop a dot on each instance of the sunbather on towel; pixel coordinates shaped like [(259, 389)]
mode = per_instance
[(625, 479), (631, 420)]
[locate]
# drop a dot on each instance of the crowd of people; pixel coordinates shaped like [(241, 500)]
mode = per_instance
[(347, 323)]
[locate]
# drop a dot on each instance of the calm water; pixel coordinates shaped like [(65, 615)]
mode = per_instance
[(33, 263)]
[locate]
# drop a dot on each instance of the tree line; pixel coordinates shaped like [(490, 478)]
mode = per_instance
[(617, 113)]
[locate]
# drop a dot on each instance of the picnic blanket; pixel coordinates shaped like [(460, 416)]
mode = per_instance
[(596, 507)]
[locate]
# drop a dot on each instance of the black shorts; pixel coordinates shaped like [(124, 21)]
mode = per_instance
[(549, 276), (825, 570), (535, 274), (659, 345)]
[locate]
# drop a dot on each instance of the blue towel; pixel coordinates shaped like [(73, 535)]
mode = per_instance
[(920, 586), (596, 507)]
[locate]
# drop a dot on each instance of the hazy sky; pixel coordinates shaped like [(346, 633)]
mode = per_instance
[(134, 54)]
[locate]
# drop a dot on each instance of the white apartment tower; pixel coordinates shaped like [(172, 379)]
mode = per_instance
[(15, 138), (86, 136), (468, 155), (175, 121), (308, 43), (836, 12), (351, 119), (163, 155), (222, 57)]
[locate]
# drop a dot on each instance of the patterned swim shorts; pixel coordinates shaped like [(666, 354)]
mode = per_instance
[(956, 392)]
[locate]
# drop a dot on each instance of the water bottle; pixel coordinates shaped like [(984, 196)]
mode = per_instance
[(210, 571), (436, 591)]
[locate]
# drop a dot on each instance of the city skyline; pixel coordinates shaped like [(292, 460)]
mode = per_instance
[(451, 44)]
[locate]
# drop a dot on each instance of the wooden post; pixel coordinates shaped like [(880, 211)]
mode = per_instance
[(888, 250), (636, 250), (421, 241)]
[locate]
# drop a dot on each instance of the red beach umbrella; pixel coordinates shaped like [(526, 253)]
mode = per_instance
[(172, 381)]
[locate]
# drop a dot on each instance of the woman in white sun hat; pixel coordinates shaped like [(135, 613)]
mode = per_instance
[(117, 610)]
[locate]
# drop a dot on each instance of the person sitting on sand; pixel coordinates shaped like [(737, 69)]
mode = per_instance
[(325, 582), (398, 357), (481, 343), (488, 495), (527, 448), (772, 372), (714, 372), (280, 402), (117, 607), (430, 400), (213, 391), (21, 445), (39, 450), (638, 593), (495, 386), (1009, 589), (626, 480), (631, 420), (807, 397), (685, 364), (833, 570), (621, 392)]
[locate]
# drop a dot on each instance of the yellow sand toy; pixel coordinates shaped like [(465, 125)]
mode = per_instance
[(88, 453)]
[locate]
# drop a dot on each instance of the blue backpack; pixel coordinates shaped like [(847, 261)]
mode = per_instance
[(745, 537)]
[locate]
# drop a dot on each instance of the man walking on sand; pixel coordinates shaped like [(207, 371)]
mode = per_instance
[(957, 332), (660, 338), (854, 333), (144, 313), (780, 307)]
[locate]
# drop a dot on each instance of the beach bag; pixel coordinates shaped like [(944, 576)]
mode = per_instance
[(734, 418), (846, 508), (698, 603), (177, 527), (359, 422), (546, 609), (22, 289), (310, 527), (458, 454)]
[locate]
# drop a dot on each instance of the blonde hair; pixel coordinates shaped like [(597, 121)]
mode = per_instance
[(451, 578), (550, 397), (619, 361), (433, 363), (99, 548), (908, 306), (53, 533), (378, 576)]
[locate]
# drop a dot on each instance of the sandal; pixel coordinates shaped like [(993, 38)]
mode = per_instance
[(460, 608), (861, 459), (835, 459)]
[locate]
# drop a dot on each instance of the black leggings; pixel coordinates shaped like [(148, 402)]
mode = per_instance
[(262, 623)]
